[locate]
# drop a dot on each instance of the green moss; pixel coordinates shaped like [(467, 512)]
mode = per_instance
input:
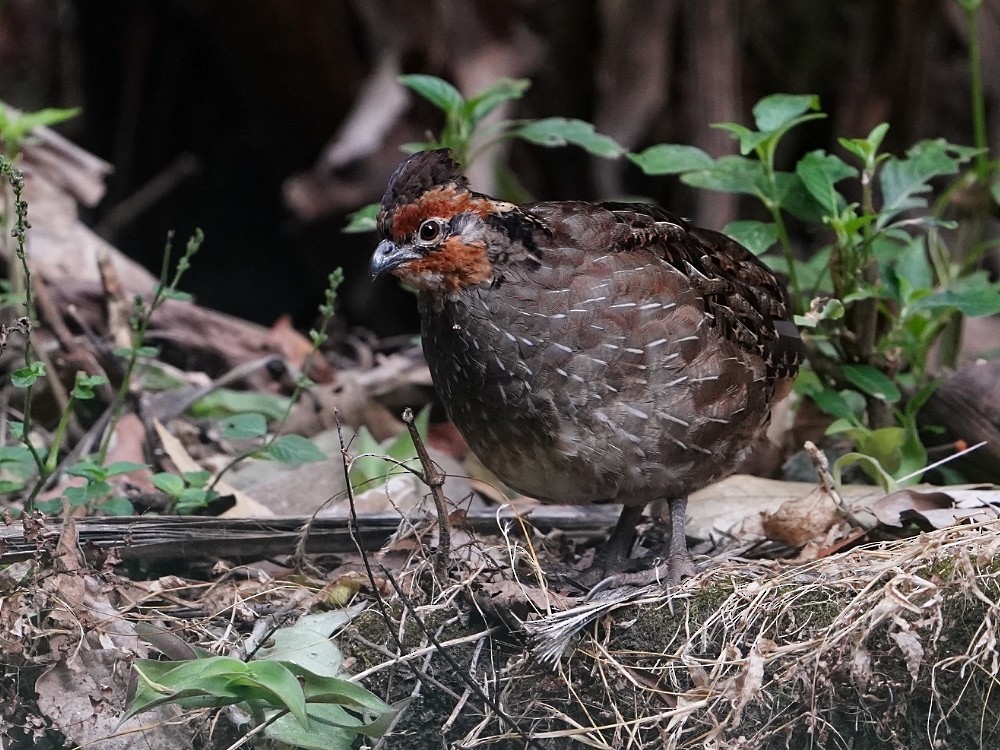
[(632, 664)]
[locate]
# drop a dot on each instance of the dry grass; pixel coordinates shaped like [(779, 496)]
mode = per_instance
[(889, 646), (894, 645)]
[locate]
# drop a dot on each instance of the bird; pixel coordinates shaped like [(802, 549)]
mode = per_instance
[(590, 352)]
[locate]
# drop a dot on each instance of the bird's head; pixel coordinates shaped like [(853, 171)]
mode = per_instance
[(433, 228)]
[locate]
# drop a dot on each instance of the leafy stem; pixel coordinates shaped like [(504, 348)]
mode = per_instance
[(318, 337), (141, 320), (979, 138), (31, 369)]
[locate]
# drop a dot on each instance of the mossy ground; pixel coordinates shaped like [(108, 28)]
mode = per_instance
[(895, 647)]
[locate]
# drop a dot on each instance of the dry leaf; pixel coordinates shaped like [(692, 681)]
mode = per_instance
[(939, 507), (798, 521)]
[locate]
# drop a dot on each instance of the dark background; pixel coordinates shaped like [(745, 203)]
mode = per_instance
[(211, 111)]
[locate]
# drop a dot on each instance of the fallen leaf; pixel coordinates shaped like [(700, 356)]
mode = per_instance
[(798, 521), (889, 509)]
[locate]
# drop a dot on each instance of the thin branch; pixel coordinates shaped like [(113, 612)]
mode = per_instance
[(433, 477)]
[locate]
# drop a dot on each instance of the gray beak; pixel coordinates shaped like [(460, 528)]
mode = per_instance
[(388, 255)]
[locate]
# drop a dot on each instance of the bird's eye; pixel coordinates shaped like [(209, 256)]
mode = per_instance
[(429, 231)]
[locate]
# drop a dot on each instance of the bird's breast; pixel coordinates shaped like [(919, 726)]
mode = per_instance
[(604, 382)]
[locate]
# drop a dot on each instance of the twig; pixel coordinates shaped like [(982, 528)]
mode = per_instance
[(407, 604), (446, 727), (433, 477), (822, 467), (459, 671)]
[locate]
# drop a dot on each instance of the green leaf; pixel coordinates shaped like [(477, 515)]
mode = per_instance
[(438, 92), (193, 499), (16, 465), (866, 148), (871, 467), (117, 506), (559, 131), (117, 468), (671, 158), (49, 507), (197, 478), (329, 728), (307, 644), (15, 455), (177, 296), (225, 401), (243, 426), (820, 172), (363, 220), (294, 449), (15, 126), (791, 194), (401, 447), (833, 403), (277, 684), (16, 428), (749, 140), (83, 388), (905, 181), (89, 469), (972, 295), (904, 264), (91, 492), (320, 689), (487, 100), (198, 682), (871, 381), (756, 236), (884, 446), (366, 468), (25, 377), (779, 111), (730, 174), (814, 274), (171, 484)]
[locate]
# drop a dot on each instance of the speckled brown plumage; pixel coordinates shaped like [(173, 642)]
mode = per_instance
[(589, 352)]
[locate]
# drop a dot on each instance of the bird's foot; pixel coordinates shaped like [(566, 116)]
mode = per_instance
[(668, 573)]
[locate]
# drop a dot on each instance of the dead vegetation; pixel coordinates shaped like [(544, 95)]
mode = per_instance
[(886, 645), (889, 645)]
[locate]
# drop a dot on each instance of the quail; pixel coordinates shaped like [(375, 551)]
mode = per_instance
[(589, 352)]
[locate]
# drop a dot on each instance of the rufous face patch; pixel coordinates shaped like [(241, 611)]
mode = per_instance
[(443, 203), (454, 266)]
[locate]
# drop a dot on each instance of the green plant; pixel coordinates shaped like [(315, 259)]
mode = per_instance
[(881, 291), (142, 316), (189, 491), (293, 690), (873, 300), (466, 134), (96, 492), (290, 449), (15, 126), (24, 377), (374, 463)]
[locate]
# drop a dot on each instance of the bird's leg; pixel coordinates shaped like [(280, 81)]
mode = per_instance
[(614, 555), (616, 552), (679, 562), (671, 571)]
